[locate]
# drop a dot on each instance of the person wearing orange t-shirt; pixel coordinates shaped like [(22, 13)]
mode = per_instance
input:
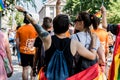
[(26, 35), (103, 36)]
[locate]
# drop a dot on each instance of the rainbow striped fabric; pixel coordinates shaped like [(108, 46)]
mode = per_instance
[(2, 6), (114, 72), (92, 73)]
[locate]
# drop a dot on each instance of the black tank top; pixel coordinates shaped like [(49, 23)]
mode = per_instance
[(60, 44)]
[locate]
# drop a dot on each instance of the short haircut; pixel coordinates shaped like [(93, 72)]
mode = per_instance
[(61, 23), (47, 22)]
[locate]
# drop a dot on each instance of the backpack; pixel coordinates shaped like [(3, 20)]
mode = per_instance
[(57, 67)]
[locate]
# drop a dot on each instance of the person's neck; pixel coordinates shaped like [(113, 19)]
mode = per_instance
[(61, 35), (83, 30)]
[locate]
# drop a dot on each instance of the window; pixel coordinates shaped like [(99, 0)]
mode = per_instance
[(52, 12)]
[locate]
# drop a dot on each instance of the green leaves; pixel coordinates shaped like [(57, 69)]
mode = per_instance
[(18, 17), (73, 7), (10, 3), (113, 14)]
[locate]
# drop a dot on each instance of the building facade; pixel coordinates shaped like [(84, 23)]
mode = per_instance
[(49, 9)]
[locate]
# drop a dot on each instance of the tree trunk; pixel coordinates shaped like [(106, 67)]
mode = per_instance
[(58, 7)]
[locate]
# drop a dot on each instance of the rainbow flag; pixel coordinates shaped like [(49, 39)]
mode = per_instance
[(114, 72), (2, 6), (92, 73)]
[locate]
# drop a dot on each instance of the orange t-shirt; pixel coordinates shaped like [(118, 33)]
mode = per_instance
[(67, 34), (103, 36), (26, 35)]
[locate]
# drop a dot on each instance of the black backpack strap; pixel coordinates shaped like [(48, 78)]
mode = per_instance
[(78, 37)]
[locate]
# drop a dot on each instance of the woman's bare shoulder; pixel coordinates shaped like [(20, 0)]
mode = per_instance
[(73, 46)]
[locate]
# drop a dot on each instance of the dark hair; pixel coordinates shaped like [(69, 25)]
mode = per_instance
[(26, 20), (46, 22), (76, 31), (61, 23), (19, 25), (89, 19), (95, 21)]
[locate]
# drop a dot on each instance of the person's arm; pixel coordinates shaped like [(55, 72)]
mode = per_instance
[(43, 34), (35, 61), (37, 45), (101, 59), (89, 54), (107, 45), (17, 41), (77, 47), (7, 48), (104, 19), (109, 27), (101, 54)]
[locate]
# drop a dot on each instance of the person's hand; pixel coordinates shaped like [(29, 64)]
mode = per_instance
[(103, 9), (11, 65), (102, 69), (19, 8), (102, 65), (34, 78), (34, 75)]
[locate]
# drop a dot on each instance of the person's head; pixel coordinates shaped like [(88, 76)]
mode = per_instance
[(26, 21), (61, 23), (95, 21), (84, 21), (47, 23)]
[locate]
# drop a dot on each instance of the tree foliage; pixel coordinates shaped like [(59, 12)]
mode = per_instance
[(113, 14), (18, 18), (11, 10), (10, 3), (73, 7)]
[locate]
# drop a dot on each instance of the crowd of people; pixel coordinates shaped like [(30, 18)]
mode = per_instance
[(46, 48)]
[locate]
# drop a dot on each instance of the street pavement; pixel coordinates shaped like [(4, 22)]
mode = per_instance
[(17, 73)]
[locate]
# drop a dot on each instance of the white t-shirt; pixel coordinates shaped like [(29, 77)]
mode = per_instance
[(85, 39)]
